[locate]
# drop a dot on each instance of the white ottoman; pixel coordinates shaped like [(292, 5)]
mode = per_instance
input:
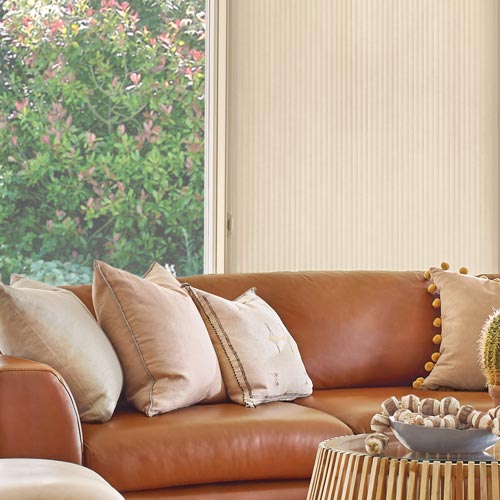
[(35, 479)]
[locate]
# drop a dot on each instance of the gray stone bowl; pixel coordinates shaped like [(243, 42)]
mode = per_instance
[(438, 440)]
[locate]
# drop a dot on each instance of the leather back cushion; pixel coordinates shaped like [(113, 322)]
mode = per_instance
[(353, 328)]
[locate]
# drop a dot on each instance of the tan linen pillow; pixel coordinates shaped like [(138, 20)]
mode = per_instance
[(466, 303), (51, 325), (259, 359), (163, 345)]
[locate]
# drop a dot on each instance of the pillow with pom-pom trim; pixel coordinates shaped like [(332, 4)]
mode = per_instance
[(466, 302)]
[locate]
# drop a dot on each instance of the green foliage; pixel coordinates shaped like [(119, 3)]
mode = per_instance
[(101, 135), (490, 349), (56, 272)]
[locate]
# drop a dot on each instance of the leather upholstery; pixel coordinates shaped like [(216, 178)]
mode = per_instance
[(263, 490), (363, 336), (34, 479), (208, 444), (347, 324), (38, 416), (355, 407), (366, 316)]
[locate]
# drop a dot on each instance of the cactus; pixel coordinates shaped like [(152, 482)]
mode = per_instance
[(489, 348)]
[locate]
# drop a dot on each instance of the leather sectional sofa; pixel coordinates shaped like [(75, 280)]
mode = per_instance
[(363, 336)]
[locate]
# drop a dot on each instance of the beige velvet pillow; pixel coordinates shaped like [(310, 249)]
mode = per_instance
[(166, 353), (259, 359), (466, 303), (51, 325)]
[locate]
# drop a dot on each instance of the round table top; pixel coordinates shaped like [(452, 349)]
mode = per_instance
[(395, 450)]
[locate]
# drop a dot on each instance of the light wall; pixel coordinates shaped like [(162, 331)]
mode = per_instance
[(362, 134)]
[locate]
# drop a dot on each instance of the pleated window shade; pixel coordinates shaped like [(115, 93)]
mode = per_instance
[(362, 134)]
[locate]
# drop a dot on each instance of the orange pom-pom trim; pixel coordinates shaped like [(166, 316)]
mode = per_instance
[(417, 384), (463, 270), (445, 266), (431, 288), (428, 366), (427, 275), (437, 339), (435, 356), (437, 322), (436, 303)]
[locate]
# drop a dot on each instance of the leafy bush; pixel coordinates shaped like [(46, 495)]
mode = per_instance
[(56, 272), (101, 136)]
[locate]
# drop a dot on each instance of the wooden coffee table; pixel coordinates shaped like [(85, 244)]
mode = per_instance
[(345, 471)]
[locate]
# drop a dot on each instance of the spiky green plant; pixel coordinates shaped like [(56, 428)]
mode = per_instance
[(489, 348)]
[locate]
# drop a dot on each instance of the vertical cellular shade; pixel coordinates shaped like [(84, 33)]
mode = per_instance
[(362, 134)]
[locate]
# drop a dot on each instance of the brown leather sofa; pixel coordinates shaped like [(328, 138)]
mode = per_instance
[(363, 336)]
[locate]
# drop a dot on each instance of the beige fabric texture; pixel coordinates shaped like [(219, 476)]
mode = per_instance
[(466, 303), (166, 353), (259, 359), (36, 479), (51, 325)]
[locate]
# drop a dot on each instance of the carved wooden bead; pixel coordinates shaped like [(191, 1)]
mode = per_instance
[(480, 420), (376, 443), (449, 406), (390, 405), (401, 414), (429, 406), (451, 421), (414, 419), (464, 413), (433, 421), (410, 402), (380, 423)]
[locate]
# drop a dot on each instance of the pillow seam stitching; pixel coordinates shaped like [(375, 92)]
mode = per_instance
[(134, 339), (221, 341)]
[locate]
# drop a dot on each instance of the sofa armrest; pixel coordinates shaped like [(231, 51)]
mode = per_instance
[(38, 415)]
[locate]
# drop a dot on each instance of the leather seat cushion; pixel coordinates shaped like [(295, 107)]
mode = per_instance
[(250, 490), (207, 444), (355, 407)]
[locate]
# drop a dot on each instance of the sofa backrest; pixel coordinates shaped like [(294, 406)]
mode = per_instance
[(353, 328)]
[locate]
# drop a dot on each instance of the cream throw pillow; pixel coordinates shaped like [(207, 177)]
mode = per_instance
[(259, 359), (466, 303), (163, 345), (51, 325)]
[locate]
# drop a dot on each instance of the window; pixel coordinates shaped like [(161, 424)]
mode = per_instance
[(101, 136)]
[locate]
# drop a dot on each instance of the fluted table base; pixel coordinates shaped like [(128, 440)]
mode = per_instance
[(344, 475)]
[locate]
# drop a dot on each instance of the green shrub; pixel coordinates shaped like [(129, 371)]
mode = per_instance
[(56, 272), (101, 136)]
